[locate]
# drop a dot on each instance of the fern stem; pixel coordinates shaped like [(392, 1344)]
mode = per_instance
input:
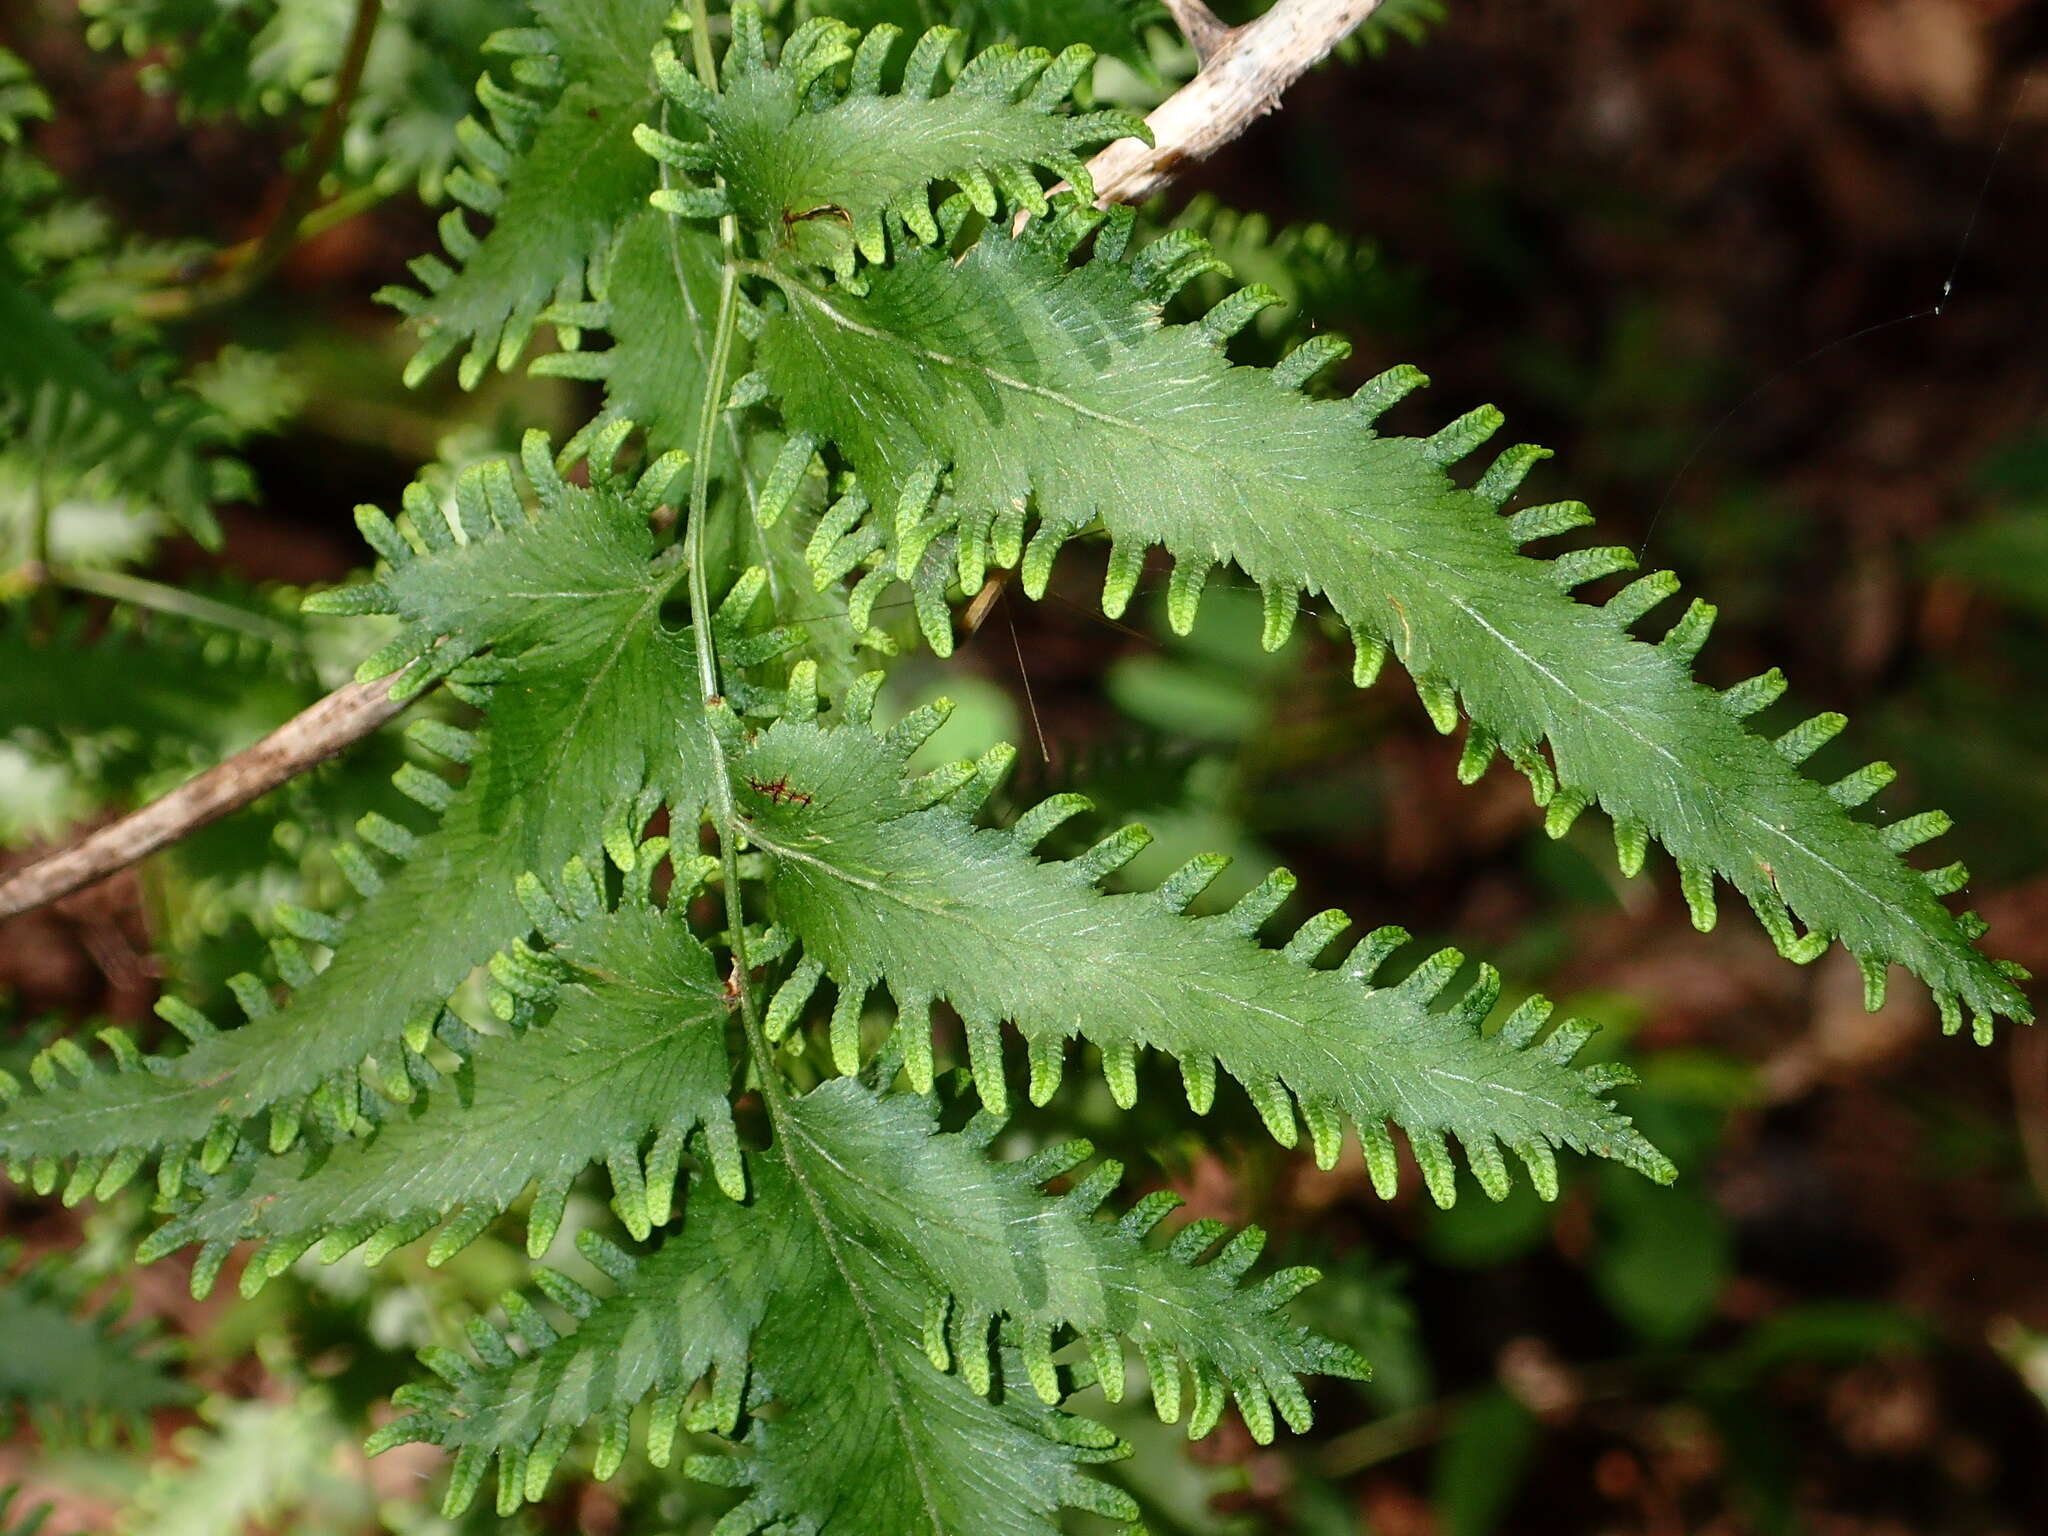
[(305, 186), (774, 1090), (700, 482), (714, 393), (124, 588), (246, 266), (700, 44), (725, 813)]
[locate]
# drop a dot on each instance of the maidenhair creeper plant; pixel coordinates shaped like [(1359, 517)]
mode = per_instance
[(861, 327)]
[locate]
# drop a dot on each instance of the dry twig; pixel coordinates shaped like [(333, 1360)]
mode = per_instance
[(341, 719), (1245, 70)]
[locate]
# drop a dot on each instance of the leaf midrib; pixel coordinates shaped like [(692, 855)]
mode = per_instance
[(1408, 1114), (814, 302)]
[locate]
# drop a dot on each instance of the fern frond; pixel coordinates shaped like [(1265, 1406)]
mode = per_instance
[(911, 1388), (256, 1465), (1055, 388), (1109, 27), (555, 171), (28, 1523), (653, 293), (883, 886), (74, 1369), (821, 169), (61, 403), (633, 1051), (22, 96), (593, 724), (274, 58), (1288, 275)]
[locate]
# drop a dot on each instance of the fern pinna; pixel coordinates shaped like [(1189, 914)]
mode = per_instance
[(866, 344)]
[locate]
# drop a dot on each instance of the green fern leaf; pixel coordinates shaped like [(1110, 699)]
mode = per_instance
[(75, 1369), (555, 171), (22, 96), (591, 700), (29, 1521), (908, 1278), (1109, 27), (1038, 382), (256, 1465), (62, 404), (654, 293), (881, 890), (634, 1049), (819, 172)]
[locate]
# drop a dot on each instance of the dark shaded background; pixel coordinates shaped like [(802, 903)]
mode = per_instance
[(1696, 249)]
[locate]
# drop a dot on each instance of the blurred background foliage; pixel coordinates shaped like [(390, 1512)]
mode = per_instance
[(1695, 249)]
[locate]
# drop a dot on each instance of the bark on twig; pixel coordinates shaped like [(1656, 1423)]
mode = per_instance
[(1243, 77), (337, 721), (1202, 27), (1245, 70)]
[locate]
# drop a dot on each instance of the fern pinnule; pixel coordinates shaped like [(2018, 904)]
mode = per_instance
[(964, 384), (551, 622), (1112, 28), (554, 171), (927, 1370), (885, 880), (821, 172), (619, 1055), (73, 1367)]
